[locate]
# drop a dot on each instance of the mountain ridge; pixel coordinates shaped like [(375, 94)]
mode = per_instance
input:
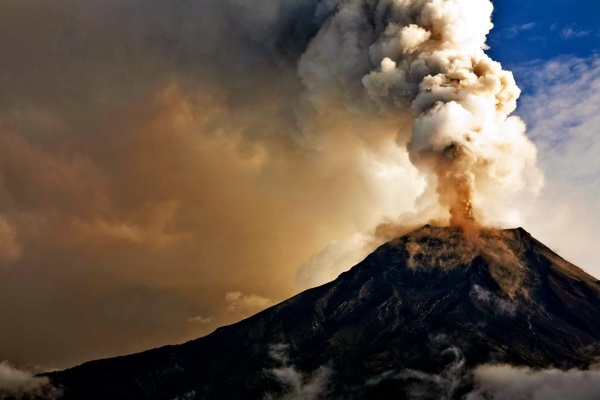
[(432, 299)]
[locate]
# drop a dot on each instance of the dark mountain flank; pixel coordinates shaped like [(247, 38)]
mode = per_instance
[(430, 305)]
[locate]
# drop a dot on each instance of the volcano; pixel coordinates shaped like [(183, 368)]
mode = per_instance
[(426, 307)]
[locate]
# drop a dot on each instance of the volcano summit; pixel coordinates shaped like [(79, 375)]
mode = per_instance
[(413, 320)]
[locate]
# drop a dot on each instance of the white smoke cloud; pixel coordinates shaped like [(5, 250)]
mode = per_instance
[(246, 305), (493, 301), (298, 385), (19, 384), (496, 381), (199, 319), (420, 385), (427, 59), (336, 258), (561, 109), (505, 382), (444, 385)]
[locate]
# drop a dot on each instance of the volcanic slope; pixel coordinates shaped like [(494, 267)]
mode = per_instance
[(434, 303)]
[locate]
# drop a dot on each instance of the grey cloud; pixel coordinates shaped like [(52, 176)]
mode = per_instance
[(560, 107), (505, 382), (420, 385), (493, 301), (297, 385), (496, 381), (22, 385)]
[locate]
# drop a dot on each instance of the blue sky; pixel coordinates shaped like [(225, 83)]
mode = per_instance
[(553, 49), (543, 29)]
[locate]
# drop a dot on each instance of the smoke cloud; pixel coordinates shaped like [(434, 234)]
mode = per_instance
[(156, 155), (493, 301), (563, 98), (496, 381), (246, 305), (298, 385), (423, 385), (503, 382), (19, 384), (426, 59), (493, 381)]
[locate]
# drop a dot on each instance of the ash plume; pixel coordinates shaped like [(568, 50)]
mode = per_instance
[(426, 58), (151, 134), (19, 384)]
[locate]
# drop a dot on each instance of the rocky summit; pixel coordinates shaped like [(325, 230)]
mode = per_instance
[(410, 321)]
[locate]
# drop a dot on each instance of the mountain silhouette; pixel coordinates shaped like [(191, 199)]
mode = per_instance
[(414, 317)]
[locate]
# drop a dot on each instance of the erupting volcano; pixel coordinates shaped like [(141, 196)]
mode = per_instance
[(430, 63), (419, 318), (224, 148)]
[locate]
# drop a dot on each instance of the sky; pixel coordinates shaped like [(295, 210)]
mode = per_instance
[(553, 48), (537, 29), (170, 167)]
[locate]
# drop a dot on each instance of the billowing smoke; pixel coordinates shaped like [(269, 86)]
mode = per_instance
[(19, 384), (426, 58), (495, 381), (156, 155), (504, 382), (296, 384)]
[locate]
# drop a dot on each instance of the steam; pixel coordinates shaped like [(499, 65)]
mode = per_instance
[(442, 386), (217, 146), (336, 258), (493, 301), (504, 382), (496, 381), (19, 384), (492, 380), (298, 386), (246, 305), (426, 59)]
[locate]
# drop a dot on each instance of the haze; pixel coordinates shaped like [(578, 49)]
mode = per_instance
[(167, 168)]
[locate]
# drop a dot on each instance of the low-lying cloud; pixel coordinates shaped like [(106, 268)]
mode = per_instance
[(296, 384), (22, 385), (505, 382), (494, 302), (246, 304), (496, 381)]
